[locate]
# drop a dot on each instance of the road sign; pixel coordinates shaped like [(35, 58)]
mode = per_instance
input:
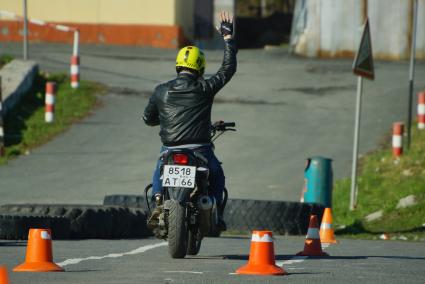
[(363, 67), (363, 62)]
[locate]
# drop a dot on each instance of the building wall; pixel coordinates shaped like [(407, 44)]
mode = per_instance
[(164, 23), (332, 28)]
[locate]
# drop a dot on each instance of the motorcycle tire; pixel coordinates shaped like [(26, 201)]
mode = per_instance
[(177, 230), (193, 243)]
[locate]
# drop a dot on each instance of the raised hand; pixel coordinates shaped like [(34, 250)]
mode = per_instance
[(226, 25)]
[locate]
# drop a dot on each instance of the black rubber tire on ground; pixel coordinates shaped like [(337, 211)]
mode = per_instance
[(83, 221), (283, 218), (193, 243), (138, 201), (177, 230), (16, 226), (244, 215)]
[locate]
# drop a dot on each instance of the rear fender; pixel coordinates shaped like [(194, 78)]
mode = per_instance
[(180, 194)]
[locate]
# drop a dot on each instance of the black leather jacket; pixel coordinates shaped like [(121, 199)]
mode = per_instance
[(183, 106)]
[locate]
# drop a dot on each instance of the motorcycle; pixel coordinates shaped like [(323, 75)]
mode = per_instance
[(189, 212)]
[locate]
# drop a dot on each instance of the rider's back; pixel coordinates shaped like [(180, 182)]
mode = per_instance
[(184, 111), (182, 106)]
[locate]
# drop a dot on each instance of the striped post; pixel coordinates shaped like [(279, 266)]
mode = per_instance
[(398, 129), (75, 71), (50, 101), (2, 150), (75, 61), (421, 110)]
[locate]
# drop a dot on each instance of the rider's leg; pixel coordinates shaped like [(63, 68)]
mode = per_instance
[(157, 194), (217, 182), (156, 181)]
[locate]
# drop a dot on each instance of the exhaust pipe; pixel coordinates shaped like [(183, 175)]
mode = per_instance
[(205, 202)]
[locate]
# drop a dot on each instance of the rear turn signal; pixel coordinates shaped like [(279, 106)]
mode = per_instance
[(180, 159)]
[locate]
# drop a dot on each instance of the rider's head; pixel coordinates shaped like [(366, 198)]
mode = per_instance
[(192, 59)]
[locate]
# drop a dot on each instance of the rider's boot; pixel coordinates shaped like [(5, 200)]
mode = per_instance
[(221, 224), (154, 218)]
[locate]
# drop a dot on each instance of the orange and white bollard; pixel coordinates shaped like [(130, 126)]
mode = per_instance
[(50, 102), (398, 129), (421, 110), (75, 71)]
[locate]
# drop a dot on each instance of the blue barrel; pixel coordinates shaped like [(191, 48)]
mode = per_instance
[(318, 181)]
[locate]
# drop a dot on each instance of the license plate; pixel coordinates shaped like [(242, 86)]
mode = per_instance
[(179, 176)]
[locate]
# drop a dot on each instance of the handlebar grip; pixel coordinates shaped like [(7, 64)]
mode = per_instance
[(229, 124)]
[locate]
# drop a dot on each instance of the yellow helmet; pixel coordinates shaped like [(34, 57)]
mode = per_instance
[(191, 57)]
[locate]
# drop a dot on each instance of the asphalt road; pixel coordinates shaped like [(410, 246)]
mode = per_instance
[(147, 261), (286, 109)]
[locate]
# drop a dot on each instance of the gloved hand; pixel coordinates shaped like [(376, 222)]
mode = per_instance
[(226, 25)]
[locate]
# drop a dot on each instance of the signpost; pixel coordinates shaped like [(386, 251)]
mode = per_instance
[(412, 74), (25, 32), (363, 67)]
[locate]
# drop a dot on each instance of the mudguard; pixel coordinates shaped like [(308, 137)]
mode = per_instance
[(180, 194)]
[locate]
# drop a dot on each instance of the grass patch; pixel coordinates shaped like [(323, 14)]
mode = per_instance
[(4, 59), (25, 127), (382, 182)]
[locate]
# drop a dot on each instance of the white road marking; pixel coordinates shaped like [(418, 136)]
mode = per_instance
[(112, 255), (295, 259), (182, 271)]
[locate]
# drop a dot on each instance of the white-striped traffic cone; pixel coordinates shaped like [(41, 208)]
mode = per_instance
[(312, 245), (261, 256), (421, 110), (75, 71), (398, 129), (50, 101)]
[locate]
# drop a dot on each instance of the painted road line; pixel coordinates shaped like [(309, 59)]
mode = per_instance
[(183, 271), (295, 259), (112, 255)]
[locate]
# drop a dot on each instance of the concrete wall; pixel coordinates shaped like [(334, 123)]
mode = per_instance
[(164, 23), (332, 28)]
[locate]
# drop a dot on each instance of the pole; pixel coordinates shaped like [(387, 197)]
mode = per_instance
[(76, 43), (2, 142), (353, 196), (25, 32), (412, 74)]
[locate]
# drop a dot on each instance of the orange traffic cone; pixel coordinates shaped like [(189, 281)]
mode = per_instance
[(327, 235), (39, 253), (261, 256), (312, 246), (4, 278)]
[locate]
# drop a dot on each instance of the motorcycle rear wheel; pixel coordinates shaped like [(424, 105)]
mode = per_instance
[(177, 230)]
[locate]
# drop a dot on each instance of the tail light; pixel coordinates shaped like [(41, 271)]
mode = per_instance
[(180, 159)]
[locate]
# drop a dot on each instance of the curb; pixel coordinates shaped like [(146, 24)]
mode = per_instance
[(281, 217), (17, 79), (73, 221)]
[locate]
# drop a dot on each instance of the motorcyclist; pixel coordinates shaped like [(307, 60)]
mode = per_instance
[(182, 108)]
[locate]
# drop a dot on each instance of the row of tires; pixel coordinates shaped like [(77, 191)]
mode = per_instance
[(73, 221), (124, 216), (244, 215)]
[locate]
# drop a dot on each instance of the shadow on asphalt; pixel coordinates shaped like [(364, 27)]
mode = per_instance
[(245, 257), (236, 237), (288, 257), (83, 270), (13, 244), (65, 63)]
